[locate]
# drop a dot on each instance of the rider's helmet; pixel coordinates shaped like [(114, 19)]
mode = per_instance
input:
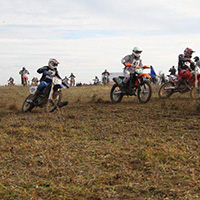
[(188, 52), (53, 63), (196, 58), (137, 51)]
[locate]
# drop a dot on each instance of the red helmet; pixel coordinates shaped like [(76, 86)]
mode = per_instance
[(188, 52)]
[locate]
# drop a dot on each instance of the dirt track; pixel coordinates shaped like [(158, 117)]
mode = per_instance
[(93, 149)]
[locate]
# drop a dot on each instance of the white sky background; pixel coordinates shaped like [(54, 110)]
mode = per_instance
[(89, 36)]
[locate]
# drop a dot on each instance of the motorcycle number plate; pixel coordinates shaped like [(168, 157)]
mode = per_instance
[(57, 81), (33, 89)]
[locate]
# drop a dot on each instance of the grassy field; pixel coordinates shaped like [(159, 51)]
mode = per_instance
[(95, 150)]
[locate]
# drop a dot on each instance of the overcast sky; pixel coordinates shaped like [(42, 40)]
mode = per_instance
[(89, 36)]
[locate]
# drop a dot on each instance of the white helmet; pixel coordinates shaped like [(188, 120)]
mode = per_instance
[(137, 51), (53, 63)]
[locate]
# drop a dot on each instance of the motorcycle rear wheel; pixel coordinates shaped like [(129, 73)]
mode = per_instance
[(28, 106), (115, 94), (163, 93), (144, 92), (53, 103)]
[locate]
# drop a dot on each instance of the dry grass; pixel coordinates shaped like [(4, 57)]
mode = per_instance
[(93, 149)]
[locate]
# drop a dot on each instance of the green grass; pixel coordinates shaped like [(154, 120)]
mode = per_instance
[(93, 149)]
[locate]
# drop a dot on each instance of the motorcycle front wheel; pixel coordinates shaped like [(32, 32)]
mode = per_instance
[(144, 92), (53, 103), (28, 104), (116, 94), (164, 93)]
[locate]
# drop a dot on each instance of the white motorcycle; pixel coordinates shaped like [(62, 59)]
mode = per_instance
[(50, 97)]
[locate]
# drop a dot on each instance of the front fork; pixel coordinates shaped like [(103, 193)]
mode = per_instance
[(51, 92)]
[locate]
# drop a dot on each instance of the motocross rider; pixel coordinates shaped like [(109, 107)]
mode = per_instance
[(47, 74), (134, 60), (24, 72), (185, 65)]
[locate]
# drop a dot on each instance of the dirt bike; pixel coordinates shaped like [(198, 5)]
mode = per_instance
[(192, 86), (50, 97), (138, 85)]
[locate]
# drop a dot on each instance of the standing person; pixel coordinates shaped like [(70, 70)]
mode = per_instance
[(134, 60), (163, 80), (24, 78), (185, 64), (172, 70), (153, 75), (72, 80)]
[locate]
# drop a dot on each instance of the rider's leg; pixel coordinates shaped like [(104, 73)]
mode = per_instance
[(190, 78), (126, 76), (39, 90), (179, 82)]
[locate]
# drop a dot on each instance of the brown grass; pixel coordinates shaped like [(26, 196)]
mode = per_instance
[(93, 149)]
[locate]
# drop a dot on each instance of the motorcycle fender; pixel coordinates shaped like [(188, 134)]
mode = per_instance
[(146, 75), (32, 89)]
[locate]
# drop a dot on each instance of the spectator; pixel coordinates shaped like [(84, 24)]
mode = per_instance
[(153, 75), (172, 70)]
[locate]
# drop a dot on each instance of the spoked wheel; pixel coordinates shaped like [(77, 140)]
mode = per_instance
[(164, 91), (144, 92), (116, 94), (195, 92), (28, 104), (54, 102)]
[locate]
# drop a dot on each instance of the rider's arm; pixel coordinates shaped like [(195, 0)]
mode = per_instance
[(57, 74), (125, 60), (184, 59), (43, 70)]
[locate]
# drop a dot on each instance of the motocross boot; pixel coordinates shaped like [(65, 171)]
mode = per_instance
[(35, 96)]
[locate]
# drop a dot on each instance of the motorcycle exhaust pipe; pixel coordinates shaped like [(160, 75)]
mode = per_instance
[(170, 88)]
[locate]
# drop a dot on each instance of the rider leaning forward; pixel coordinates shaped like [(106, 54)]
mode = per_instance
[(48, 72), (134, 60), (185, 65)]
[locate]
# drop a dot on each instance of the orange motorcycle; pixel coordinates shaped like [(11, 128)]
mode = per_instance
[(138, 85)]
